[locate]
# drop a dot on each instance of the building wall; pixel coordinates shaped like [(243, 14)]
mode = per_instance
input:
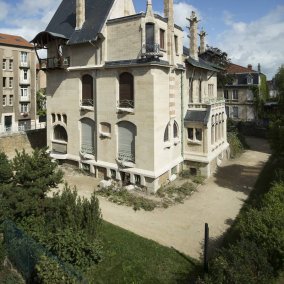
[(13, 53)]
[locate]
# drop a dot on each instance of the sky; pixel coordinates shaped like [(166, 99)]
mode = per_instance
[(251, 32)]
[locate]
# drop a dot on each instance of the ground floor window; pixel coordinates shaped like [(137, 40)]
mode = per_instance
[(235, 112)]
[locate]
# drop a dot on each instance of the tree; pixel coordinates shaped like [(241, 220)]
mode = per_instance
[(36, 170), (5, 169), (41, 102), (279, 83), (221, 61)]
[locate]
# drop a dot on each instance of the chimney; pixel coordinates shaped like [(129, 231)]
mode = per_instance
[(258, 68), (80, 13), (250, 67), (169, 14), (193, 48), (202, 41)]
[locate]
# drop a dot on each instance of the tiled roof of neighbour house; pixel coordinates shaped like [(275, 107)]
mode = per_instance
[(14, 40), (196, 116), (64, 20), (234, 68)]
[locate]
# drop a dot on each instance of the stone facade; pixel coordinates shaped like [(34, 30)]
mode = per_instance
[(142, 139), (18, 91)]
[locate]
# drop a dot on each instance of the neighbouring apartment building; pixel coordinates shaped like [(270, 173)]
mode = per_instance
[(125, 100), (239, 95), (18, 78)]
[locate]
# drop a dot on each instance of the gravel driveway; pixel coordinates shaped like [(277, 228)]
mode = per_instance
[(217, 203)]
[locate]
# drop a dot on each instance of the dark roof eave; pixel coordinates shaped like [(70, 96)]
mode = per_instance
[(201, 64)]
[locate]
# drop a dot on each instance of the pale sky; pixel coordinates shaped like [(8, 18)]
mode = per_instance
[(251, 32)]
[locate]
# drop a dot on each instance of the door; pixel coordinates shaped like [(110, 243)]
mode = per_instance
[(8, 123)]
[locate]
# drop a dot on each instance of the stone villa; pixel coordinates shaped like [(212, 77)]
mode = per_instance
[(125, 99)]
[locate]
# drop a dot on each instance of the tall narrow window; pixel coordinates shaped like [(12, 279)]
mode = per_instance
[(24, 57), (4, 82), (25, 74), (176, 44), (4, 100), (87, 136), (11, 98), (10, 64), (166, 133), (175, 129), (126, 141), (126, 90), (24, 107), (226, 94), (24, 93), (4, 64), (87, 90), (210, 90), (235, 95), (10, 82), (162, 39), (150, 37)]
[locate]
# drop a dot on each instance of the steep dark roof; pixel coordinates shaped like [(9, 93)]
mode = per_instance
[(201, 64), (64, 20), (196, 116)]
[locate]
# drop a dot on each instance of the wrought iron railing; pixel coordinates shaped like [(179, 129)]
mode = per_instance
[(54, 62), (87, 149), (87, 102), (126, 156), (8, 128), (126, 104), (151, 49)]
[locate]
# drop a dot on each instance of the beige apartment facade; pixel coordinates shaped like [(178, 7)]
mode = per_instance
[(18, 78), (125, 102)]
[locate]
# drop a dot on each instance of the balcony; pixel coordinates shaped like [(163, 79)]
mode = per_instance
[(24, 64), (87, 104), (151, 50), (126, 106), (126, 159), (24, 98), (24, 81), (87, 149), (54, 63)]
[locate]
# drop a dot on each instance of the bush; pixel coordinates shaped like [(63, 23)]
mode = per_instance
[(243, 262), (73, 247), (67, 210), (122, 196), (48, 271), (236, 147)]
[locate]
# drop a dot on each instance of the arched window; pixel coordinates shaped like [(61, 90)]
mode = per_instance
[(60, 133), (87, 136), (166, 133), (126, 90), (87, 90), (175, 130), (126, 141)]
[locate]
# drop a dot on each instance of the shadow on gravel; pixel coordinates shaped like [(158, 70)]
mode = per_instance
[(238, 177)]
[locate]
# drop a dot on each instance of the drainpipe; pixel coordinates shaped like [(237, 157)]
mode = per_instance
[(182, 118)]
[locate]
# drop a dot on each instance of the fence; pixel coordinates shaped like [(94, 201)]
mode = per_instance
[(24, 252)]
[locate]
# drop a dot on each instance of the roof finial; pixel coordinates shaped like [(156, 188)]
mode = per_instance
[(149, 10)]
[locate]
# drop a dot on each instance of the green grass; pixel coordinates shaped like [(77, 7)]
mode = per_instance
[(129, 258)]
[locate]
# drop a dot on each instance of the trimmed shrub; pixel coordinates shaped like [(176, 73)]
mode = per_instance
[(243, 262), (236, 147)]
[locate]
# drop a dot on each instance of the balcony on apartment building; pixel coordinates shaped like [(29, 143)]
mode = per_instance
[(54, 63), (88, 149), (24, 64)]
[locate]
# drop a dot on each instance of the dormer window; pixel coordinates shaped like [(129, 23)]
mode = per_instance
[(249, 80)]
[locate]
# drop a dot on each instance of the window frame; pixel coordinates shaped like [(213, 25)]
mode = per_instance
[(162, 34), (126, 91), (191, 132), (24, 107), (235, 95), (11, 64), (4, 100), (4, 64), (237, 112), (24, 57), (11, 82)]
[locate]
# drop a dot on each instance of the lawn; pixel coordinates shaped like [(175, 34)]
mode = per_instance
[(129, 258)]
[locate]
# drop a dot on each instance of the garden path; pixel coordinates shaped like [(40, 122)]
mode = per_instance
[(217, 203)]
